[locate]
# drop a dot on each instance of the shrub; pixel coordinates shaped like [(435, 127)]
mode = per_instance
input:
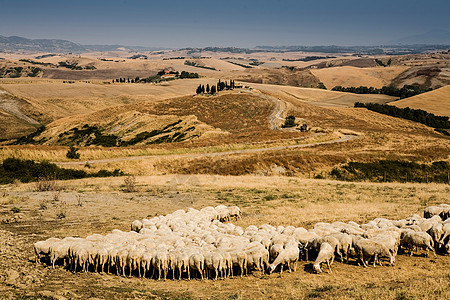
[(15, 209), (130, 184), (72, 153), (289, 122), (393, 170), (47, 183), (61, 215), (13, 169)]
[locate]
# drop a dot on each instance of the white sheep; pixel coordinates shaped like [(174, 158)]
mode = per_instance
[(326, 254), (42, 248), (368, 248), (418, 239), (288, 257)]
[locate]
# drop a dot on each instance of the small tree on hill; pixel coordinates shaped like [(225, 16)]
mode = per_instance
[(207, 88), (289, 122), (213, 90), (199, 89), (72, 153)]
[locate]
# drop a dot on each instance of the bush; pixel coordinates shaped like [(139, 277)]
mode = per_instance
[(44, 173), (289, 122), (15, 210), (130, 184), (392, 170), (72, 153), (47, 183)]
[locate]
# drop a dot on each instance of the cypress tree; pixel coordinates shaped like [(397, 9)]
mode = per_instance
[(207, 88)]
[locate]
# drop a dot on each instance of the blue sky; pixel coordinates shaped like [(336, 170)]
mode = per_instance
[(191, 23)]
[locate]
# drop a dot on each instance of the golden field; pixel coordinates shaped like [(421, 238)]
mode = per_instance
[(99, 205), (235, 153)]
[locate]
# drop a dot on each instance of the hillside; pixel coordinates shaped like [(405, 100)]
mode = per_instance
[(16, 44), (426, 77), (349, 76), (243, 118), (436, 102), (299, 78), (115, 127)]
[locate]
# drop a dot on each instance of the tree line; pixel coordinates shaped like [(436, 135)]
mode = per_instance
[(25, 170), (416, 115), (158, 77), (405, 92), (393, 170), (221, 85)]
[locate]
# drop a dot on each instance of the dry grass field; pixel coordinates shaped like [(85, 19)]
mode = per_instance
[(57, 99), (436, 102), (235, 153), (99, 205), (352, 76)]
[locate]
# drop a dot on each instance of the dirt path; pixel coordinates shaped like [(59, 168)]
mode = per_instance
[(276, 115), (213, 154), (11, 106)]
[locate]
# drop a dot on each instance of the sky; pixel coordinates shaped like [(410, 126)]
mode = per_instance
[(244, 23)]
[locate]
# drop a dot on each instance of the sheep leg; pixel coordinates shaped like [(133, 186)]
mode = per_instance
[(329, 265), (375, 260), (432, 249), (361, 257)]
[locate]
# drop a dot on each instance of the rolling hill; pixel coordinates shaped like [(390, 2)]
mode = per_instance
[(436, 102)]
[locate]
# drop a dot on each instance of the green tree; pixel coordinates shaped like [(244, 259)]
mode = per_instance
[(320, 85), (213, 90), (72, 153), (207, 88), (289, 122)]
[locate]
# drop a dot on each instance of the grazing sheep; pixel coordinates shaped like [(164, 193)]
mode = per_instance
[(436, 232), (197, 262), (326, 254), (345, 244), (446, 229), (286, 257), (200, 240), (418, 239), (136, 225), (275, 250), (368, 248), (43, 247), (160, 262), (214, 261), (334, 242), (239, 259)]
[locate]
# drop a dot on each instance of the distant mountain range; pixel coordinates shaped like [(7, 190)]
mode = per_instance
[(436, 39), (432, 37), (17, 43)]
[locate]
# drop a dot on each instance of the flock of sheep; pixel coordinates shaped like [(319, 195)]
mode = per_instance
[(198, 243)]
